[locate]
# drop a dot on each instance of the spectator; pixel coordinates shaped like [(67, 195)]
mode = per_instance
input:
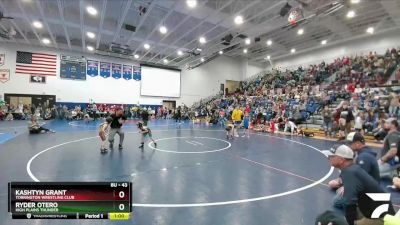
[(366, 159), (327, 117), (389, 155), (357, 183)]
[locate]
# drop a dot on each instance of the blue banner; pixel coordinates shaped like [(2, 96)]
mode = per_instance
[(105, 69), (92, 68), (116, 71), (127, 72), (136, 73)]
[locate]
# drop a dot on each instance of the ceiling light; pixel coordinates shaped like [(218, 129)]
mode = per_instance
[(370, 30), (221, 52), (247, 41), (37, 24), (323, 42), (191, 3), (163, 29), (268, 57), (46, 41), (300, 32), (245, 50), (165, 61), (238, 20), (199, 49), (202, 40), (90, 48), (91, 10), (269, 42), (351, 14), (136, 56), (355, 1), (202, 59), (90, 35), (293, 50), (180, 52), (146, 46)]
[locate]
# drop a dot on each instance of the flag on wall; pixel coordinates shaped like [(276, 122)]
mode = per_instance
[(36, 63), (136, 73), (105, 69), (92, 68), (127, 72), (116, 71)]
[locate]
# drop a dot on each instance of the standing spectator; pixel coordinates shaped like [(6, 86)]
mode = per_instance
[(394, 107), (327, 115), (389, 153), (357, 183)]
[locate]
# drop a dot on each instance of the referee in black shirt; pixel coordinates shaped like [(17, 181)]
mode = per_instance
[(357, 185)]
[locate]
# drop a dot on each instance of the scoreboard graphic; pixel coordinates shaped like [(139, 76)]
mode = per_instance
[(70, 200), (73, 67)]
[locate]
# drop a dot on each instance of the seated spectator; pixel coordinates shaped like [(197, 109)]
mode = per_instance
[(366, 159), (9, 117), (390, 155), (357, 183), (35, 128)]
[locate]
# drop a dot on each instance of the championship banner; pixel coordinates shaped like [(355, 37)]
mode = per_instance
[(92, 68), (4, 75), (38, 79), (136, 73), (116, 70), (105, 69), (2, 59), (73, 67), (127, 72)]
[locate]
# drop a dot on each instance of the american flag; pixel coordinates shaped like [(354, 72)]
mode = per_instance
[(36, 63)]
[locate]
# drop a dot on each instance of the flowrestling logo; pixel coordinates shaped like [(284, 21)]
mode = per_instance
[(381, 209)]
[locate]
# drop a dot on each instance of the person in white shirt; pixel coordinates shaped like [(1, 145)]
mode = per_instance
[(289, 125)]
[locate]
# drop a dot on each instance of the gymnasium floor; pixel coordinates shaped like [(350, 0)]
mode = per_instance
[(195, 176)]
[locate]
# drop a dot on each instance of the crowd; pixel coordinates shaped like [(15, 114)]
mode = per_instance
[(350, 96)]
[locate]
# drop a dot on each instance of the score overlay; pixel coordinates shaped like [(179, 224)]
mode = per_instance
[(70, 200)]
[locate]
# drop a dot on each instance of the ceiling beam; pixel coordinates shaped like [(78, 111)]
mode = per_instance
[(204, 19), (28, 21), (2, 8), (122, 19), (99, 30), (156, 28), (46, 24), (61, 12), (391, 8), (242, 30), (81, 17), (143, 18)]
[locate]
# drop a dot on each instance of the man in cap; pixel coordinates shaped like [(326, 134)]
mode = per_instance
[(366, 159), (389, 154), (357, 185)]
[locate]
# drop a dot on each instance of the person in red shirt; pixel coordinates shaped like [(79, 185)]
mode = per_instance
[(272, 126), (351, 88), (247, 110)]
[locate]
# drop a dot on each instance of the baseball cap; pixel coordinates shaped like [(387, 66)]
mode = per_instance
[(343, 151), (355, 136)]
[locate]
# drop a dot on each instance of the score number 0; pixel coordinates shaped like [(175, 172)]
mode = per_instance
[(121, 194)]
